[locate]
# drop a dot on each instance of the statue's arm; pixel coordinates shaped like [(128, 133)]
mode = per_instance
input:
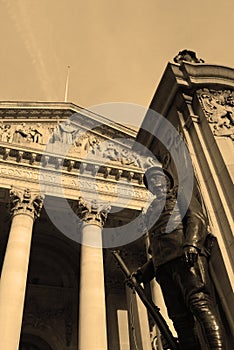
[(195, 225)]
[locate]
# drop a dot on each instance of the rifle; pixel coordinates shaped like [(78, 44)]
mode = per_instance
[(154, 310)]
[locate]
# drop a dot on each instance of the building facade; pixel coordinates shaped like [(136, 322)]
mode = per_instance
[(61, 169), (72, 191)]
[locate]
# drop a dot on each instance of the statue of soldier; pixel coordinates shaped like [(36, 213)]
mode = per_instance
[(179, 262)]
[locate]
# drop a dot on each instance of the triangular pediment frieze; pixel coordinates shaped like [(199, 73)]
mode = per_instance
[(74, 136), (70, 141)]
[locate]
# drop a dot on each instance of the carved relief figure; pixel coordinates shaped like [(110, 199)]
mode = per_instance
[(92, 143), (111, 152), (20, 134), (1, 130), (6, 133), (65, 133), (24, 133), (36, 134), (87, 142), (219, 109), (129, 158), (114, 152)]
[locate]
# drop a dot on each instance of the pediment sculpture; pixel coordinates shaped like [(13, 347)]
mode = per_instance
[(80, 143), (23, 133)]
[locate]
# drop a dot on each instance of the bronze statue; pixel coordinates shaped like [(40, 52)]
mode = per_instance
[(179, 262)]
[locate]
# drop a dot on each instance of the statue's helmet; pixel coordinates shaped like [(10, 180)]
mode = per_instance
[(154, 171)]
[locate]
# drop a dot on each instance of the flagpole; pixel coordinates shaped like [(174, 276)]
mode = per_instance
[(67, 83)]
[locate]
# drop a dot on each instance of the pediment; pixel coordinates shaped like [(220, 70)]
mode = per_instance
[(68, 131)]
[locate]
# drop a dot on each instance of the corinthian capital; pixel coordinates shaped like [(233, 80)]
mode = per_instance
[(93, 212), (25, 202)]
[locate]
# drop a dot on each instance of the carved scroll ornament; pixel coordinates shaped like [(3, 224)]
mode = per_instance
[(187, 56), (218, 106), (25, 202), (93, 212)]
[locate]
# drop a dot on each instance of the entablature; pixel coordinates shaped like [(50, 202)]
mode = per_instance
[(69, 150), (52, 161)]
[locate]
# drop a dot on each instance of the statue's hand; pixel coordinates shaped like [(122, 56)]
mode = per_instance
[(191, 255), (129, 283), (137, 276)]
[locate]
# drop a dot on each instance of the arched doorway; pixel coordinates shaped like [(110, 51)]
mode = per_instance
[(32, 342)]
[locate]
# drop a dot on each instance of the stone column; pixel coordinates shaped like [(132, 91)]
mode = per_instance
[(25, 207), (158, 300), (92, 310), (138, 322), (144, 328), (123, 328)]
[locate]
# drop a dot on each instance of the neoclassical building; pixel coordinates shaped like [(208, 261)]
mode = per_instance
[(72, 191)]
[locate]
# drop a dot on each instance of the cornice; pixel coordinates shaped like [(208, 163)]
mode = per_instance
[(56, 110), (12, 154), (185, 78), (207, 74), (188, 76)]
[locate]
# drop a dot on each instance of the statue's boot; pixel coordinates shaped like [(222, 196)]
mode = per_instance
[(206, 316)]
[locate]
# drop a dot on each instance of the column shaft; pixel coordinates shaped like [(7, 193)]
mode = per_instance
[(158, 300), (13, 281), (123, 328), (92, 309), (144, 328)]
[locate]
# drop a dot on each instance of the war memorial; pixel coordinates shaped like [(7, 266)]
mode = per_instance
[(72, 190)]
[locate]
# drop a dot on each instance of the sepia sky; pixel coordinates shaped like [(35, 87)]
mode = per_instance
[(117, 49)]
